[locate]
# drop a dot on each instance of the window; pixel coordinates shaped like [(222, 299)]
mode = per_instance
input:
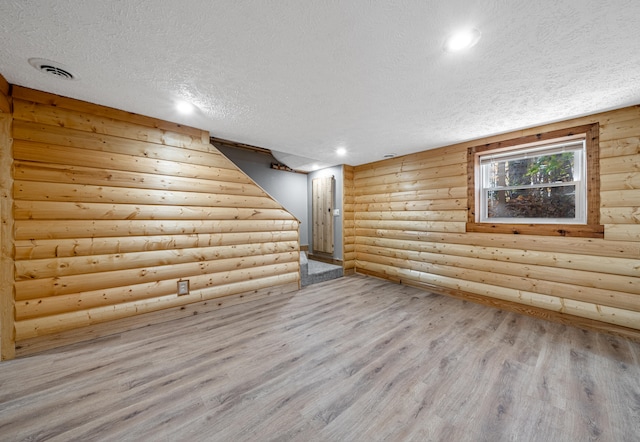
[(546, 184), (537, 184)]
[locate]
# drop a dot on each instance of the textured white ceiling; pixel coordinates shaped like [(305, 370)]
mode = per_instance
[(306, 77)]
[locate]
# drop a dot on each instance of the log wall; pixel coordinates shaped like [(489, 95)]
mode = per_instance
[(348, 221), (111, 209), (7, 346), (410, 215)]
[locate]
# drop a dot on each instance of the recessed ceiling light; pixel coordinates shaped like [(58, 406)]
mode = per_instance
[(52, 68), (184, 107), (461, 40), (341, 151)]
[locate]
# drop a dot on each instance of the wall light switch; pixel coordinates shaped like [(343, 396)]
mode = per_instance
[(183, 287), (336, 212)]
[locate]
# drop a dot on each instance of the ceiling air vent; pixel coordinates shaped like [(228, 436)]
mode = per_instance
[(52, 68)]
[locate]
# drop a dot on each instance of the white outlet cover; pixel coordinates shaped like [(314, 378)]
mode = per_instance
[(183, 287)]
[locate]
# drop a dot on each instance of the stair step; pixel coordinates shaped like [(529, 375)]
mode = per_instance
[(313, 272)]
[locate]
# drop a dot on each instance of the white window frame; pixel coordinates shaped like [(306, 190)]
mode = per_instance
[(577, 145)]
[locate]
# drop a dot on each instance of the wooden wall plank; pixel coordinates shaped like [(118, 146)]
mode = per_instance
[(620, 181), (433, 158), (57, 267), (32, 328), (615, 290), (91, 123), (34, 191), (63, 136), (42, 307), (579, 246), (426, 226), (86, 108), (620, 129), (229, 182), (415, 215), (69, 156), (620, 147), (56, 210), (408, 186), (620, 215), (621, 317), (66, 303), (558, 259), (114, 208), (620, 198), (60, 248), (423, 205), (7, 336), (32, 229), (37, 344), (406, 230), (428, 171), (623, 164), (348, 220), (249, 267), (622, 232), (399, 163), (5, 100), (417, 195)]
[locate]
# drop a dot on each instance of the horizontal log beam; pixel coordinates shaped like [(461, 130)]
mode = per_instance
[(31, 328), (33, 191), (579, 246), (61, 304), (68, 247), (54, 210), (427, 226), (272, 264), (71, 156), (528, 310), (619, 317), (80, 265), (428, 171), (5, 100), (605, 289), (34, 230), (557, 259), (83, 107), (92, 123), (417, 195), (413, 215)]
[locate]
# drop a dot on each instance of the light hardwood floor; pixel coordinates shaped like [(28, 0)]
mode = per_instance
[(354, 359)]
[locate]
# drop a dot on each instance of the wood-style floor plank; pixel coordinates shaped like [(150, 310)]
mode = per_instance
[(355, 359)]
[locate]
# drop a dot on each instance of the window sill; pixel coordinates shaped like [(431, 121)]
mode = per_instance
[(572, 230)]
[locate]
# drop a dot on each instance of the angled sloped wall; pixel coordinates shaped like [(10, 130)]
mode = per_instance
[(111, 209)]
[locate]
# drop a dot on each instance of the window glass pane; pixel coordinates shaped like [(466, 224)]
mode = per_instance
[(543, 202), (542, 169)]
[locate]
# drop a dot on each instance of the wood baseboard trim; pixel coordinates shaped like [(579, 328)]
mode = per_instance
[(42, 343), (536, 312), (304, 248)]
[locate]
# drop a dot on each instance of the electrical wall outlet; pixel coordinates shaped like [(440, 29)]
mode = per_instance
[(183, 287)]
